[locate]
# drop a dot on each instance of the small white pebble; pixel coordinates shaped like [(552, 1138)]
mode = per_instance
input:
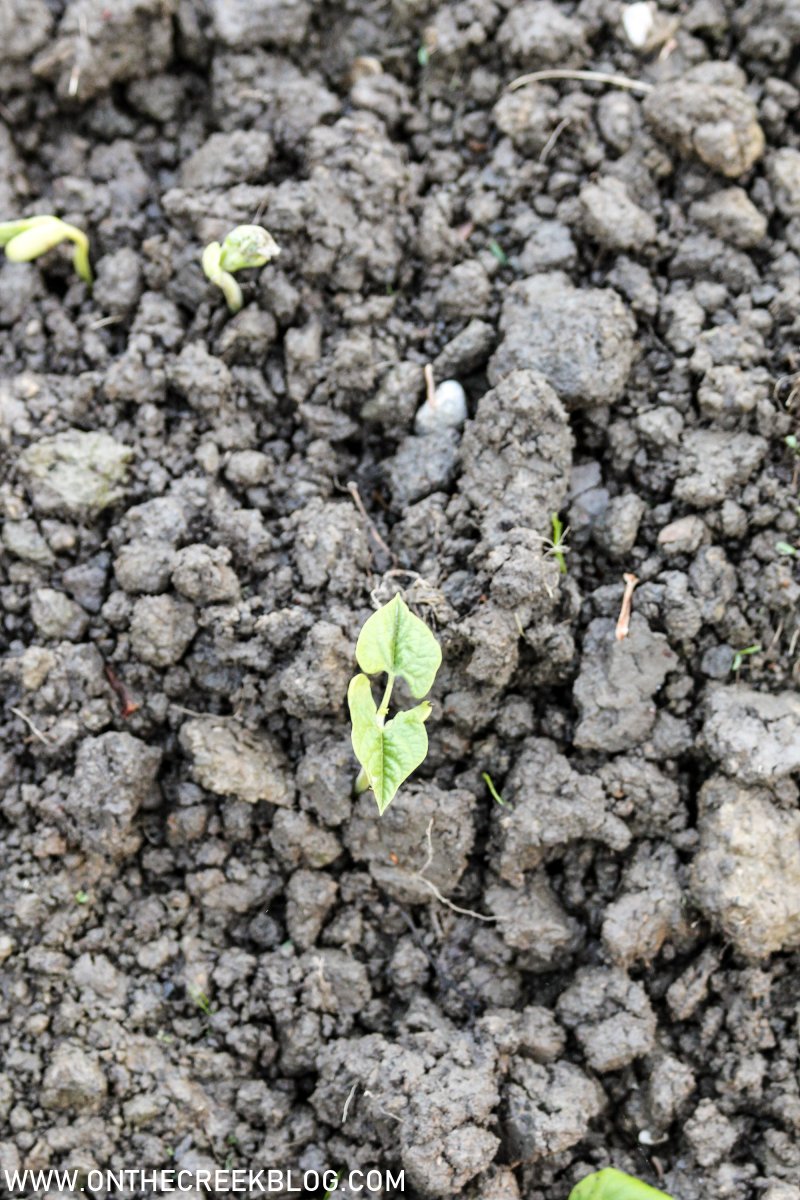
[(448, 410), (638, 21)]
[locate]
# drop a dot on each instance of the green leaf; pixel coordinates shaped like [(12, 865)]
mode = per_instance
[(610, 1184), (388, 753), (395, 641)]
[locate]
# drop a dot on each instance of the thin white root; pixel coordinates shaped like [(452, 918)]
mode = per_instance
[(620, 81), (624, 621), (420, 875)]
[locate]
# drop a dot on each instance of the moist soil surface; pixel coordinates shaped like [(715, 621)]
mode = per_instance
[(212, 955)]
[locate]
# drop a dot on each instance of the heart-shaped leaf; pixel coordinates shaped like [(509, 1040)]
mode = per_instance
[(388, 753), (395, 641)]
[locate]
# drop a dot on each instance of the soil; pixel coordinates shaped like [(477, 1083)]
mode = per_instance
[(210, 953)]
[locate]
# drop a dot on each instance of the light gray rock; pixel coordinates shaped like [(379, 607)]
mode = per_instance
[(617, 529), (73, 1081), (550, 1107), (56, 617), (746, 874), (713, 121), (754, 736), (201, 574), (783, 172), (731, 215), (610, 217), (530, 919), (713, 463), (244, 24), (144, 566), (240, 156), (161, 629), (580, 339), (538, 33), (617, 682), (115, 774), (516, 455), (75, 474), (550, 806), (310, 895), (611, 1016), (229, 760), (23, 539)]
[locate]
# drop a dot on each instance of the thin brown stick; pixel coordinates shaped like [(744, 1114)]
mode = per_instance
[(620, 81), (352, 488), (624, 621)]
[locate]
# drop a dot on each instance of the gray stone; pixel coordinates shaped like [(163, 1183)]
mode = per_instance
[(684, 536), (610, 217), (310, 895), (746, 873), (56, 617), (550, 1108), (201, 574), (114, 775), (241, 156), (580, 339), (731, 215), (465, 291), (25, 26), (530, 919), (549, 248), (539, 33), (229, 760), (161, 629), (144, 566), (118, 284), (716, 122), (754, 736), (617, 682), (550, 806), (73, 1081), (713, 464), (23, 539), (516, 455), (783, 172), (728, 393), (422, 465), (244, 24), (611, 1016), (75, 474), (617, 529)]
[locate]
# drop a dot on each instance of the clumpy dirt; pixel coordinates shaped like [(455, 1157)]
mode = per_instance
[(210, 953)]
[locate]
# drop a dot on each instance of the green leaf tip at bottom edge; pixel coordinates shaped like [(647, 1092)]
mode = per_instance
[(388, 753), (397, 642), (611, 1184)]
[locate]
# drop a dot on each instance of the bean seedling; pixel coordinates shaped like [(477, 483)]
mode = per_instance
[(394, 642), (610, 1184), (30, 237), (245, 246)]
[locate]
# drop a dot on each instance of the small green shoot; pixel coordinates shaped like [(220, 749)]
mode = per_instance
[(30, 237), (793, 443), (331, 1190), (423, 55), (611, 1184), (493, 792), (741, 655), (497, 250), (557, 545), (81, 897), (245, 246), (198, 997), (395, 642), (788, 549)]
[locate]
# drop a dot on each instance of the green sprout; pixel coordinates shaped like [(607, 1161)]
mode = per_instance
[(497, 250), (245, 246), (787, 548), (610, 1184), (741, 655), (493, 792), (557, 545), (399, 644), (30, 237), (198, 997), (81, 897), (793, 443)]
